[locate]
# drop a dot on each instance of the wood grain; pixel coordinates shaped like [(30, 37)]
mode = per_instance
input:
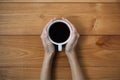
[(94, 51), (59, 8), (61, 73), (21, 57), (59, 1), (30, 47), (21, 50), (30, 18)]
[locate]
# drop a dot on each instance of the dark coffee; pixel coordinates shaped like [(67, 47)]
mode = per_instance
[(59, 32)]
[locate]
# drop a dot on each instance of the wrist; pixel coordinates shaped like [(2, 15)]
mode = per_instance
[(49, 54), (48, 60), (71, 55), (48, 57)]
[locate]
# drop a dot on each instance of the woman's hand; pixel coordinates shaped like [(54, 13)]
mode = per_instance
[(48, 46), (71, 54), (70, 46), (49, 54)]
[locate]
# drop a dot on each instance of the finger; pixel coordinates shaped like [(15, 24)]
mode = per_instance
[(50, 21), (46, 40), (45, 28), (44, 37), (72, 40), (73, 28), (76, 41), (44, 34), (67, 21)]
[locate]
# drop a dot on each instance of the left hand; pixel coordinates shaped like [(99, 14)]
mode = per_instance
[(48, 46)]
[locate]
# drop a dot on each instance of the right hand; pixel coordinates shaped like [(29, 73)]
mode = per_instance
[(70, 46)]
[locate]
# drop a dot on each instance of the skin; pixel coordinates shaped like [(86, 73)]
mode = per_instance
[(69, 50)]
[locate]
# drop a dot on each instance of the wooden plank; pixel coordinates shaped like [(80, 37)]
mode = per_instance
[(28, 52), (60, 73), (46, 8), (21, 58), (30, 18), (59, 1), (85, 24), (59, 8)]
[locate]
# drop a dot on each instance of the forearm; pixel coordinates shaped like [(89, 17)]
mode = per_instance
[(75, 67), (46, 69)]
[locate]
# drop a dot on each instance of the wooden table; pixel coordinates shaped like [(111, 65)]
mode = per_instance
[(98, 49)]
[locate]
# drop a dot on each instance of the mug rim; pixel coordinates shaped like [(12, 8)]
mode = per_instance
[(68, 25)]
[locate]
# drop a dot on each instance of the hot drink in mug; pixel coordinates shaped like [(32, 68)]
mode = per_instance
[(59, 32)]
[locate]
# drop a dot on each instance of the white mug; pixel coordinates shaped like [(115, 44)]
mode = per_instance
[(60, 44)]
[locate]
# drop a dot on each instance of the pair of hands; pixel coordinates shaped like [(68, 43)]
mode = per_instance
[(49, 47)]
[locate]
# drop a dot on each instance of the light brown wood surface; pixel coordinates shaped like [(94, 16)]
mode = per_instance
[(59, 1), (22, 57), (21, 50), (30, 18)]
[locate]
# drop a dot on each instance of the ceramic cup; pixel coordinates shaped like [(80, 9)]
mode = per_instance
[(59, 32)]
